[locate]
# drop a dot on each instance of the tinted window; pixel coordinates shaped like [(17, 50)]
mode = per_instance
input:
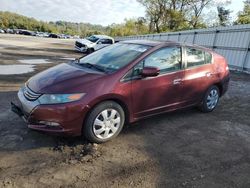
[(166, 59), (196, 57), (115, 56), (106, 41)]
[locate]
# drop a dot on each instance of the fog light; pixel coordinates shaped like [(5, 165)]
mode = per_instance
[(49, 123)]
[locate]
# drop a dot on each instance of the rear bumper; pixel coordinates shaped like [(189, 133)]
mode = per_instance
[(67, 119)]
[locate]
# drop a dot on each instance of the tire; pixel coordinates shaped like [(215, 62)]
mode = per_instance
[(210, 100), (104, 122), (90, 50)]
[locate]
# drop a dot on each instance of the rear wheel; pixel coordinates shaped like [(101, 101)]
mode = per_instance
[(104, 122), (210, 99)]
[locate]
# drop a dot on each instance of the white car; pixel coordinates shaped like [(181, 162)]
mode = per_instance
[(93, 43)]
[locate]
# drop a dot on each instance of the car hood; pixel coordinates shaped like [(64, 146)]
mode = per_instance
[(86, 42), (64, 78)]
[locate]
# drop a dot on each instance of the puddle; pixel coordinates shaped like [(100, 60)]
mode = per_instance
[(15, 69), (34, 61)]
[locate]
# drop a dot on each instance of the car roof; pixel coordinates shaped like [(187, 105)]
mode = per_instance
[(102, 36), (157, 43), (150, 42)]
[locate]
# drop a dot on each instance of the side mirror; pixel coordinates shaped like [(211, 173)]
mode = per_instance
[(150, 72), (99, 42)]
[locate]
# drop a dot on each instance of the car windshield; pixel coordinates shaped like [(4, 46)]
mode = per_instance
[(92, 38), (115, 56)]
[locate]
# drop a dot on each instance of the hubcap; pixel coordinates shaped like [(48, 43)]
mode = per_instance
[(212, 99), (106, 123)]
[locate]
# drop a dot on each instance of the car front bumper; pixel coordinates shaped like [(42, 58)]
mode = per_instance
[(59, 119), (82, 49)]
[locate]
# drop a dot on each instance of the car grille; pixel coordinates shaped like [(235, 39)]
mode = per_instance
[(30, 95), (79, 45)]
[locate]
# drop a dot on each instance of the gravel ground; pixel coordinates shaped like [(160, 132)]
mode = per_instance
[(179, 149)]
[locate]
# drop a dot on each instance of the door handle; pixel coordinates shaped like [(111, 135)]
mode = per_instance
[(177, 81)]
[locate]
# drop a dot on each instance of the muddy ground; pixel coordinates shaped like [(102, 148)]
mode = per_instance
[(180, 149)]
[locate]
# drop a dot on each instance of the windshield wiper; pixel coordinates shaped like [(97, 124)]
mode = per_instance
[(97, 67)]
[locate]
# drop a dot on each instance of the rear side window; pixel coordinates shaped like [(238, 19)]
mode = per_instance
[(208, 57), (106, 41), (196, 57)]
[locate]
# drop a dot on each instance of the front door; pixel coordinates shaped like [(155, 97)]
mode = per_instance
[(161, 93)]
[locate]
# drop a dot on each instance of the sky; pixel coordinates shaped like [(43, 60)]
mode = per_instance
[(104, 12)]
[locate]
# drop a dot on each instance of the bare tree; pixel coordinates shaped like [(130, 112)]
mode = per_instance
[(197, 7)]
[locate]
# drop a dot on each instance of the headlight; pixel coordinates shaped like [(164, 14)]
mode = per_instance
[(59, 98)]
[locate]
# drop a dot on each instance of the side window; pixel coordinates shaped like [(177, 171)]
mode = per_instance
[(106, 41), (109, 41), (134, 73), (166, 59), (196, 57), (208, 57)]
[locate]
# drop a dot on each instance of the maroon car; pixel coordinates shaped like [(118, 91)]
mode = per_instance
[(125, 82)]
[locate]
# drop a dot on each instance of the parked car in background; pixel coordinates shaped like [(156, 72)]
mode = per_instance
[(53, 35), (39, 34), (10, 31), (93, 43), (122, 83), (2, 31)]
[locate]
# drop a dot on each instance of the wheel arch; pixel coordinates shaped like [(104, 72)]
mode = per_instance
[(116, 99), (219, 85)]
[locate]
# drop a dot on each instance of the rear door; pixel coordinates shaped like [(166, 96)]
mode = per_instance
[(198, 76), (161, 93)]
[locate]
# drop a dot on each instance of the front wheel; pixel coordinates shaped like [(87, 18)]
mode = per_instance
[(90, 50), (104, 122), (210, 99)]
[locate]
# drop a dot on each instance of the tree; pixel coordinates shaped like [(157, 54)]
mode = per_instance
[(154, 12), (197, 7), (244, 16), (223, 15), (173, 15)]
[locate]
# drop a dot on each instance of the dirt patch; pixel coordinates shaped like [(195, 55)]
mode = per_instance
[(180, 149)]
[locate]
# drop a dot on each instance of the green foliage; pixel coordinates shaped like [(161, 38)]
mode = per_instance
[(224, 15), (129, 27), (244, 16), (174, 15), (161, 16), (16, 21)]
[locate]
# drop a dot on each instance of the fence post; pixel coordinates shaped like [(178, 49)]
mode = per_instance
[(179, 36), (246, 55), (215, 38), (194, 37)]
